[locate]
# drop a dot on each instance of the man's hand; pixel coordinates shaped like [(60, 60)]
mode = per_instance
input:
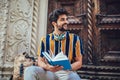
[(42, 62), (54, 68)]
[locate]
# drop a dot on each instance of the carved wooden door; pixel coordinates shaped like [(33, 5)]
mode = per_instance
[(97, 22)]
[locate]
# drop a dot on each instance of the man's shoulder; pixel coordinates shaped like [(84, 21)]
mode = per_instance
[(45, 37)]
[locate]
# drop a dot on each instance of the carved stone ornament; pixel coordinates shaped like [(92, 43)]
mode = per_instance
[(19, 28), (3, 27), (18, 41)]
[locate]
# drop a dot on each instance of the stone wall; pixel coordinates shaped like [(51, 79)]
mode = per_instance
[(19, 31)]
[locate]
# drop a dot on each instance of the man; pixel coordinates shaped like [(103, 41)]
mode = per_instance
[(59, 40)]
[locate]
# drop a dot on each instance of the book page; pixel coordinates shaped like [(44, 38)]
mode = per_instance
[(47, 56), (60, 56), (60, 59)]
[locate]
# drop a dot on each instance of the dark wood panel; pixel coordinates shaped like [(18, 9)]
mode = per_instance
[(105, 35)]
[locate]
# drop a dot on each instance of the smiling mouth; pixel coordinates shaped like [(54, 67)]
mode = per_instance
[(65, 26)]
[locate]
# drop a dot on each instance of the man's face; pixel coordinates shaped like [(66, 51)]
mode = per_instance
[(62, 22)]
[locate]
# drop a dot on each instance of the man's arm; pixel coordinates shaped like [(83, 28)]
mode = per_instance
[(42, 62), (78, 59), (77, 64)]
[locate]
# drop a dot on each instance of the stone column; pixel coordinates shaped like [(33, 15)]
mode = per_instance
[(43, 18)]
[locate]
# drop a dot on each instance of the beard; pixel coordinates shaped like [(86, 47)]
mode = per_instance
[(63, 28)]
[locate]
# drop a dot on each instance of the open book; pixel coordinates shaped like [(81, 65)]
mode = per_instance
[(59, 59)]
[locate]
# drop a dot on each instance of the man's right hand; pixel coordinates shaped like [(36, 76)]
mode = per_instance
[(54, 68), (42, 62)]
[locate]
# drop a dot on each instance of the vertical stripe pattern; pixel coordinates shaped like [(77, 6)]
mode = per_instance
[(70, 45)]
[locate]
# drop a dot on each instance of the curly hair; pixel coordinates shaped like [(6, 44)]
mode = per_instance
[(53, 16)]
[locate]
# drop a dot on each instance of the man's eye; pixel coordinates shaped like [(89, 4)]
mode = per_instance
[(62, 19)]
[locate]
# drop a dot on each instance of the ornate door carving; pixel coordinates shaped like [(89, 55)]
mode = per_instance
[(97, 22)]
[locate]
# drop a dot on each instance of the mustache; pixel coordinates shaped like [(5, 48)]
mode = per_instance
[(65, 24), (62, 28)]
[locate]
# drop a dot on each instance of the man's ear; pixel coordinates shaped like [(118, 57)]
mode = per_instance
[(54, 23)]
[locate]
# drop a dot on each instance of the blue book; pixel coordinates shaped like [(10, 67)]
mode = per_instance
[(60, 59)]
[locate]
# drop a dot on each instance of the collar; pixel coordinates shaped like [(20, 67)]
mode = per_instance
[(60, 37)]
